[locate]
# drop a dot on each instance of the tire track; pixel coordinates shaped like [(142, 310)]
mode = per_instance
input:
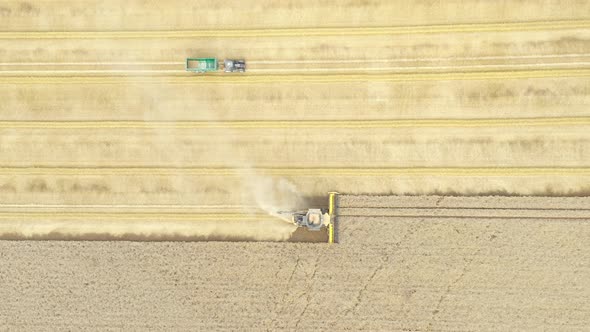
[(436, 212), (464, 202), (258, 71), (300, 124), (265, 62), (397, 69), (426, 59), (289, 32), (186, 79), (299, 172), (424, 216)]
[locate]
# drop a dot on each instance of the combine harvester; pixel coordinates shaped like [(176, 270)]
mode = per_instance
[(204, 65), (316, 219), (312, 219)]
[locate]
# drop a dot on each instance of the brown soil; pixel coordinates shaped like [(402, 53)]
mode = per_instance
[(387, 273)]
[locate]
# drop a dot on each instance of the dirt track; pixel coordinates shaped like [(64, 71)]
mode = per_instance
[(388, 273)]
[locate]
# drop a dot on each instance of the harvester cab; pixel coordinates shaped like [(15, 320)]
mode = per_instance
[(231, 66), (312, 219)]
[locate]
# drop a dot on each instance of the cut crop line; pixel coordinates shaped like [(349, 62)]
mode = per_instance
[(92, 71), (297, 78), (434, 207), (300, 124), (424, 68), (136, 63), (304, 32), (126, 206), (294, 70), (297, 172), (392, 60), (469, 212), (432, 216), (440, 59), (53, 215)]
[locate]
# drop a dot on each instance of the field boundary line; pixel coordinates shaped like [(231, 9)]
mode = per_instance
[(304, 32)]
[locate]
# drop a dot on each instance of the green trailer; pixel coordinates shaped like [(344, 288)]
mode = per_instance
[(201, 65)]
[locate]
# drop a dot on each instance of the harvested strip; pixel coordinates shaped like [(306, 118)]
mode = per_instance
[(376, 232), (488, 218), (148, 226)]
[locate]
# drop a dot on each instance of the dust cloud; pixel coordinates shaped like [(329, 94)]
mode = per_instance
[(273, 195), (270, 194)]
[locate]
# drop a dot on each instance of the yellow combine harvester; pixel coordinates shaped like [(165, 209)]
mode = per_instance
[(316, 219), (313, 219)]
